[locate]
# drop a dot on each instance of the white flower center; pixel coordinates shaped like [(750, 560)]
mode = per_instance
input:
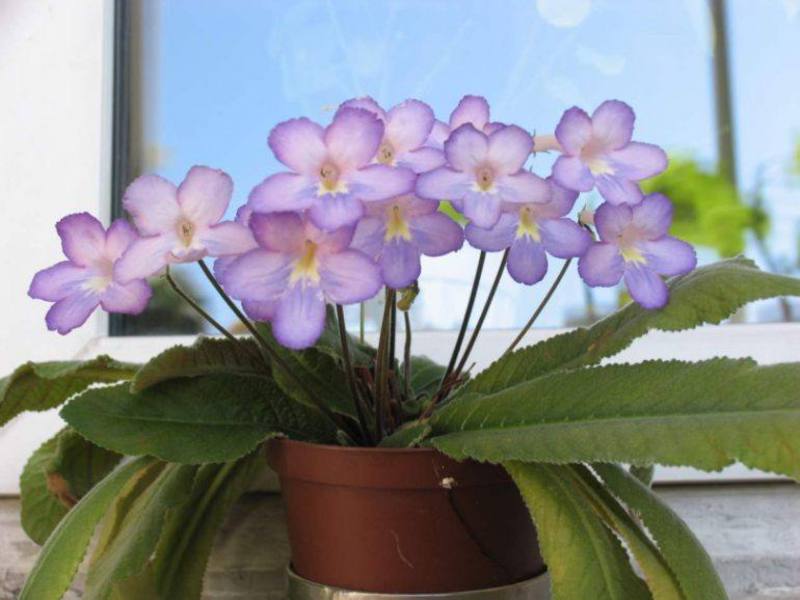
[(186, 231), (484, 180), (386, 154)]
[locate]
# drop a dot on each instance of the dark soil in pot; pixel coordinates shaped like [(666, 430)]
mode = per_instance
[(402, 520)]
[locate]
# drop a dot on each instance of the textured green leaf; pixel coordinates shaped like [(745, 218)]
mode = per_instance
[(408, 436), (706, 415), (206, 356), (65, 548), (425, 375), (707, 295), (687, 558), (584, 559), (42, 386), (215, 418), (56, 476)]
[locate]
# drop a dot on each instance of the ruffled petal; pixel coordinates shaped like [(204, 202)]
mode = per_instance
[(572, 173), (366, 103), (129, 298), (470, 109), (227, 238), (669, 256), (152, 202), (83, 239), (204, 195), (144, 257), (408, 125), (349, 276), (638, 161), (653, 216), (119, 236), (380, 182), (258, 275), (414, 206), (353, 138), (466, 148), (57, 282), (282, 192), (332, 212), (299, 144), (646, 287), (618, 190), (439, 134), (400, 265), (611, 221), (612, 124), (560, 204), (601, 265), (299, 317), (71, 312), (527, 262), (574, 131), (369, 236), (443, 184), (499, 237), (523, 187), (422, 160), (564, 238), (279, 232), (482, 209), (436, 234), (509, 148), (260, 311)]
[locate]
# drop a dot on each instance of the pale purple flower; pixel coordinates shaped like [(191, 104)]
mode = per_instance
[(179, 224), (397, 232), (332, 172), (295, 270), (598, 151), (406, 129), (531, 231), (470, 109), (634, 245), (86, 279), (484, 171)]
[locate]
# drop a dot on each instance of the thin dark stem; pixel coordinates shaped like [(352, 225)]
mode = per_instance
[(482, 317), (382, 367), (539, 308), (362, 320), (465, 321), (350, 373), (393, 337), (199, 309), (407, 356)]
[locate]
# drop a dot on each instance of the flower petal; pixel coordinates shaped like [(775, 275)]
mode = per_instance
[(119, 236), (509, 148), (638, 161), (283, 191), (574, 130), (279, 232), (366, 103), (646, 287), (482, 209), (129, 298), (144, 257), (227, 238), (349, 276), (71, 312), (612, 124), (443, 184), (152, 202), (560, 204), (617, 190), (612, 220), (523, 187), (400, 265), (564, 238), (299, 317), (653, 216), (470, 109), (527, 262), (258, 275), (408, 125), (439, 134), (83, 238), (601, 265), (422, 160), (496, 238), (572, 173), (299, 144), (436, 234), (260, 311), (332, 212), (57, 282), (369, 235), (380, 182), (204, 195), (669, 256), (353, 137), (466, 148)]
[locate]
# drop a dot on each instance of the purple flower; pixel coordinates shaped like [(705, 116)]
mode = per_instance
[(598, 151), (483, 171), (397, 231), (179, 224), (406, 129), (332, 174), (295, 270), (86, 279), (635, 245), (532, 229), (470, 109)]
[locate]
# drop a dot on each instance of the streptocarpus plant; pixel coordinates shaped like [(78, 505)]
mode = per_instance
[(357, 208)]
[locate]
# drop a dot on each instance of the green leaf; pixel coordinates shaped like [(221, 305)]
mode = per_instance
[(65, 548), (134, 543), (215, 418), (707, 295), (56, 476), (206, 356), (42, 386), (407, 436), (584, 559), (687, 558), (425, 375), (706, 415)]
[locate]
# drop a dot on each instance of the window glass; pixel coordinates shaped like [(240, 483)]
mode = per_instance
[(217, 75)]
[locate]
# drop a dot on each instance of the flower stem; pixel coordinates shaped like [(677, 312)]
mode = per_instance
[(350, 373), (362, 319), (382, 366), (393, 337), (407, 356), (483, 314), (199, 309), (539, 309)]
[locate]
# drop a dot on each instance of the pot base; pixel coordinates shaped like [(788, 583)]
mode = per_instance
[(536, 588)]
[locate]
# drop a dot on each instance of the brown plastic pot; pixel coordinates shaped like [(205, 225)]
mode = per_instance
[(402, 521)]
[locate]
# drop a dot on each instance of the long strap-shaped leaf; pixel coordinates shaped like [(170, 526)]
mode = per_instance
[(584, 558), (686, 557), (62, 554), (706, 415)]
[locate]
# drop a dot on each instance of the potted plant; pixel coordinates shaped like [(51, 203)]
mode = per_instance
[(401, 476)]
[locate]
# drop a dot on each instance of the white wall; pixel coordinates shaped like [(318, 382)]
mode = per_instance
[(55, 109)]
